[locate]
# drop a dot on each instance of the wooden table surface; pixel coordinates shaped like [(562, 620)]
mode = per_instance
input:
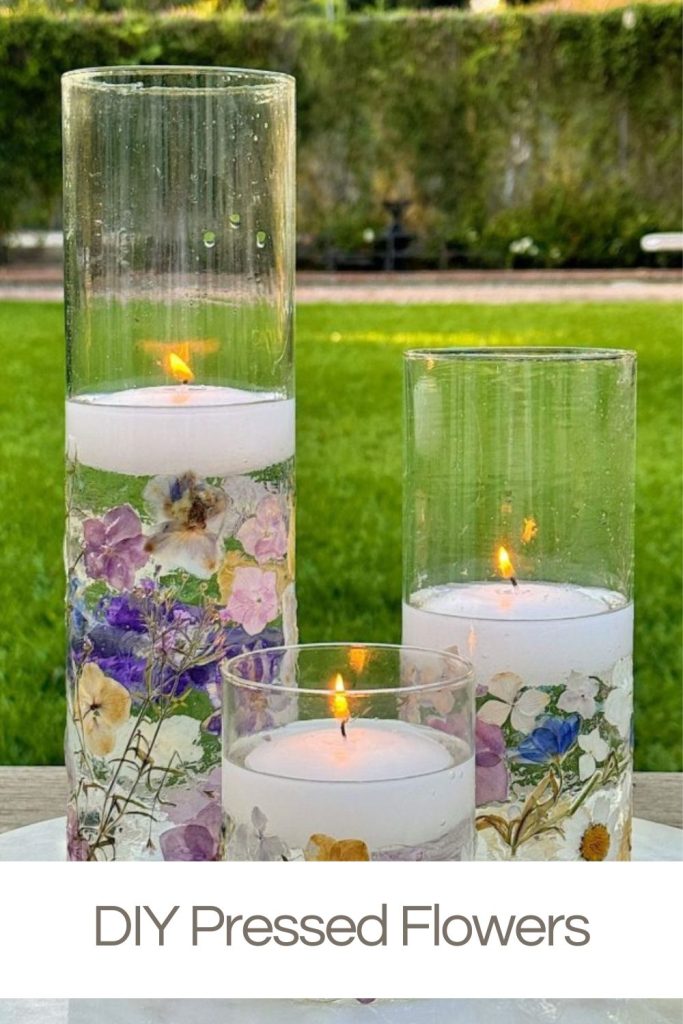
[(35, 794)]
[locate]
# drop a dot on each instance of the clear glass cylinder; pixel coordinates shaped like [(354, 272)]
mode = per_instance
[(518, 553), (339, 752), (179, 258)]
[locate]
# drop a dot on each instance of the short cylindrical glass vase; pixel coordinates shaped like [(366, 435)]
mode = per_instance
[(179, 233), (518, 553), (337, 752)]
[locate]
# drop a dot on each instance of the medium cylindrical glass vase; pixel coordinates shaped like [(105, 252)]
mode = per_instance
[(179, 232), (518, 552)]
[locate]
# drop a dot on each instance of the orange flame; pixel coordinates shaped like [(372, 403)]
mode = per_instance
[(529, 529), (505, 566), (358, 658), (179, 369), (340, 705)]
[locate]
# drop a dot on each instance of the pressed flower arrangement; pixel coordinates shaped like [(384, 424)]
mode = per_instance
[(180, 438)]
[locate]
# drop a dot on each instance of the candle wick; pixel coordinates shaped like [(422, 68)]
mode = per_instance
[(343, 727), (513, 581)]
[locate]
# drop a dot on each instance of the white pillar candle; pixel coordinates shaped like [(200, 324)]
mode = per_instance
[(214, 431), (388, 784)]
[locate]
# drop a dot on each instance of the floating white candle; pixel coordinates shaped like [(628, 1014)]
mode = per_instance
[(389, 783), (542, 631), (319, 753), (213, 431)]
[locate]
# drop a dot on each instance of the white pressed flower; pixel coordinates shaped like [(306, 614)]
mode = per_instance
[(579, 695), (523, 704), (592, 832), (595, 750), (618, 711)]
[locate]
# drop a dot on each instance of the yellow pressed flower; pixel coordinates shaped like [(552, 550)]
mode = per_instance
[(322, 847), (102, 707)]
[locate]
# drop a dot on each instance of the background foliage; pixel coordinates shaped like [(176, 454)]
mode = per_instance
[(559, 130), (349, 491)]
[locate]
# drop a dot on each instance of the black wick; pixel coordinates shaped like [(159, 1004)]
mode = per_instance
[(343, 727), (513, 581)]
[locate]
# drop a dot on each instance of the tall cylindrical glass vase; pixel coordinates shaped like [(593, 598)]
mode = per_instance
[(519, 507), (179, 232)]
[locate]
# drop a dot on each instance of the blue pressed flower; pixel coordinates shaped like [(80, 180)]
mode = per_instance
[(551, 740)]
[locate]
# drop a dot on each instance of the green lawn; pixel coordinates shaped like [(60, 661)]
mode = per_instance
[(349, 491)]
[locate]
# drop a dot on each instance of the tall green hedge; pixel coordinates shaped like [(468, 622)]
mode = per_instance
[(562, 129)]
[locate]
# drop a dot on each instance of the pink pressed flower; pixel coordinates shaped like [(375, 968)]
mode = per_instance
[(114, 547), (264, 535), (253, 600)]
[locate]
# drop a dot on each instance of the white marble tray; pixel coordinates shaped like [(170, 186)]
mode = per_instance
[(385, 1011), (46, 841)]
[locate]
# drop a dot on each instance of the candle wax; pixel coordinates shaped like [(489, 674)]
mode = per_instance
[(541, 631), (213, 431), (318, 752)]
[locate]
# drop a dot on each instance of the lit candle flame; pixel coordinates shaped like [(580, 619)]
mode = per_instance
[(529, 529), (505, 566), (340, 705), (179, 369), (358, 659)]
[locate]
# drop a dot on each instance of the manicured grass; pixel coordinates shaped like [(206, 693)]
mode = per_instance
[(349, 491)]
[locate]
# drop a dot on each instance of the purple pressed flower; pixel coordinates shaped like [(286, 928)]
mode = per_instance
[(491, 771), (186, 803), (77, 847), (125, 669), (238, 641), (197, 840), (114, 547), (122, 613)]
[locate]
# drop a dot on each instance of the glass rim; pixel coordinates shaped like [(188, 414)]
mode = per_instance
[(464, 670), (106, 77), (530, 353)]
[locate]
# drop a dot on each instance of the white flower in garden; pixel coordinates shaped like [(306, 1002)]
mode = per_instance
[(618, 711), (523, 704), (592, 832), (579, 695), (595, 750), (524, 246)]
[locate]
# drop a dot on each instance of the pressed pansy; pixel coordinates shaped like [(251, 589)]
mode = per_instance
[(264, 535), (114, 547), (102, 708), (191, 513), (579, 695), (595, 750), (511, 697)]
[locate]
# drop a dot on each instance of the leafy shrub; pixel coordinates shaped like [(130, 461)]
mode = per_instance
[(559, 127)]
